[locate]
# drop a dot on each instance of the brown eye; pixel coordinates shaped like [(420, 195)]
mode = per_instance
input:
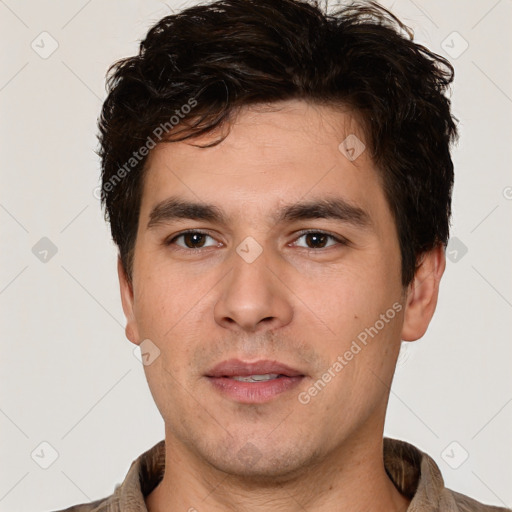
[(318, 240), (192, 240)]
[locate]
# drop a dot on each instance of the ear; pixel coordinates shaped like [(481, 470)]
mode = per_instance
[(422, 294), (131, 330)]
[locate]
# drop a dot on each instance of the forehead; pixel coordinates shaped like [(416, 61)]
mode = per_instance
[(269, 155)]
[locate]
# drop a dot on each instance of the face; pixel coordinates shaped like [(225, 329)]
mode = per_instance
[(292, 268)]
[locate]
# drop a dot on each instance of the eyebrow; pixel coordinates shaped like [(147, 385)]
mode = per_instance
[(339, 209)]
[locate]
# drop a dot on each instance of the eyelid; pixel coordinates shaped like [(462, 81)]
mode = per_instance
[(337, 238), (172, 239)]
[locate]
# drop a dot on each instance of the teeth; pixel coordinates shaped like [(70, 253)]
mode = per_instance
[(257, 378)]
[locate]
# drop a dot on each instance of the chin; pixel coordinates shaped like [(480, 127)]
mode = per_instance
[(259, 464)]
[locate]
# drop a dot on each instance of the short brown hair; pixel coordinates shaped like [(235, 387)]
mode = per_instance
[(218, 57)]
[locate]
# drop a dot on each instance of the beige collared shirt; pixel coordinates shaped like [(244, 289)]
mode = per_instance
[(413, 472)]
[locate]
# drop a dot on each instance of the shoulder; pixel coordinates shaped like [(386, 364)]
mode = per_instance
[(143, 475), (466, 504), (417, 476), (102, 505), (108, 504)]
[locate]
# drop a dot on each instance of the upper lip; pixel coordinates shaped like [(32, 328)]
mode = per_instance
[(236, 367)]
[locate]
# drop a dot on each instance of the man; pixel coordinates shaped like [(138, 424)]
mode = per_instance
[(278, 181)]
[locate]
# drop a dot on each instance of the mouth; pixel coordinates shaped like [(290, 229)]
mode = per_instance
[(258, 378), (256, 382)]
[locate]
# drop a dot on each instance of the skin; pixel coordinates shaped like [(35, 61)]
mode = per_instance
[(300, 302)]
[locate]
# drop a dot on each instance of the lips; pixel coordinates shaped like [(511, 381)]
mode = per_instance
[(254, 383), (238, 368)]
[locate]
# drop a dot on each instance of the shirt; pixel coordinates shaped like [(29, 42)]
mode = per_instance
[(413, 472)]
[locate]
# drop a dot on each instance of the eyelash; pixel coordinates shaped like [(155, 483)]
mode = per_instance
[(340, 240)]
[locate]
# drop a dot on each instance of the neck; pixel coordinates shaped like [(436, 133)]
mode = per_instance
[(350, 479)]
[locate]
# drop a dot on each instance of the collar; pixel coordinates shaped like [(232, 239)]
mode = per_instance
[(414, 473)]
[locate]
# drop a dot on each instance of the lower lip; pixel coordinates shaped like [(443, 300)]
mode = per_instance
[(254, 392)]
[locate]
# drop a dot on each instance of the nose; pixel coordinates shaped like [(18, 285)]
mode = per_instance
[(253, 297)]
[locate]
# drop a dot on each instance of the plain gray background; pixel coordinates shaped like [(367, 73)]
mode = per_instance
[(69, 377)]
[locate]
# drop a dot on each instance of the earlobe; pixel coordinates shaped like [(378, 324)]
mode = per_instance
[(127, 301), (423, 293)]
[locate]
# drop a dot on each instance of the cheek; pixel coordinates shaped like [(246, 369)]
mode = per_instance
[(165, 312), (354, 293), (360, 305), (169, 308), (161, 297)]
